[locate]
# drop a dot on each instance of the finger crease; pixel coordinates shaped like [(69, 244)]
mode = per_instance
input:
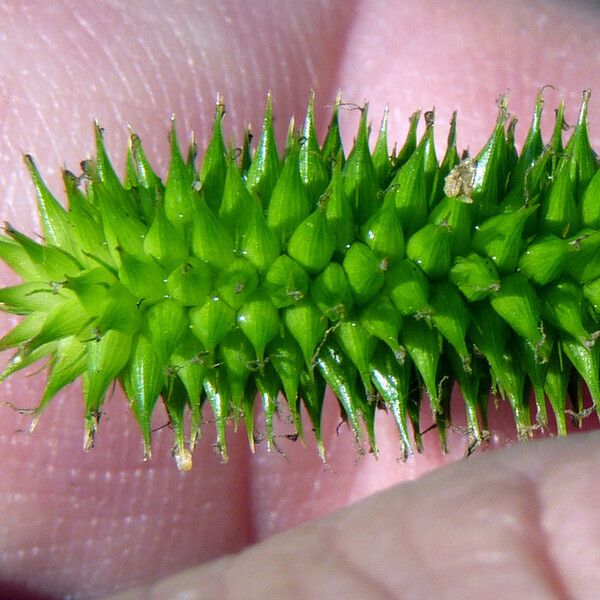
[(379, 588), (542, 546)]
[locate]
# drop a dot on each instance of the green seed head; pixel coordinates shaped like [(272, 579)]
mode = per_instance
[(381, 276)]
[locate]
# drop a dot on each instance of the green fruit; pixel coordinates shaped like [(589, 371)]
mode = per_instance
[(286, 282), (559, 214), (501, 238), (383, 233), (457, 215), (190, 283), (450, 317), (517, 303), (360, 177), (430, 248), (583, 263), (365, 271), (211, 322), (408, 289), (476, 277), (563, 308), (260, 275), (312, 244), (332, 293), (544, 259), (308, 325), (259, 321), (382, 320), (236, 282), (290, 202)]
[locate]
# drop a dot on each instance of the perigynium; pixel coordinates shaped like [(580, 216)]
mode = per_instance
[(267, 276)]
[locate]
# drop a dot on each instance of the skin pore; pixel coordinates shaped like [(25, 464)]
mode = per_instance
[(87, 525)]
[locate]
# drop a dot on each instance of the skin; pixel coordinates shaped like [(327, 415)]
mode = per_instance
[(88, 525)]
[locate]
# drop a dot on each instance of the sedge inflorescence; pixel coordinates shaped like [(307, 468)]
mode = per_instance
[(266, 277)]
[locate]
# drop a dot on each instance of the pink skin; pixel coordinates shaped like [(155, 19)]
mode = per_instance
[(91, 524)]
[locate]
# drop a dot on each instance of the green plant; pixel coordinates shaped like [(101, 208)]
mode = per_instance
[(383, 276)]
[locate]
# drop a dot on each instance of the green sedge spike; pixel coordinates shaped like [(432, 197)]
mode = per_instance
[(265, 277)]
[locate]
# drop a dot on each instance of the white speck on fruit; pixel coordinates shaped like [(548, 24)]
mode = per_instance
[(183, 459), (459, 182)]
